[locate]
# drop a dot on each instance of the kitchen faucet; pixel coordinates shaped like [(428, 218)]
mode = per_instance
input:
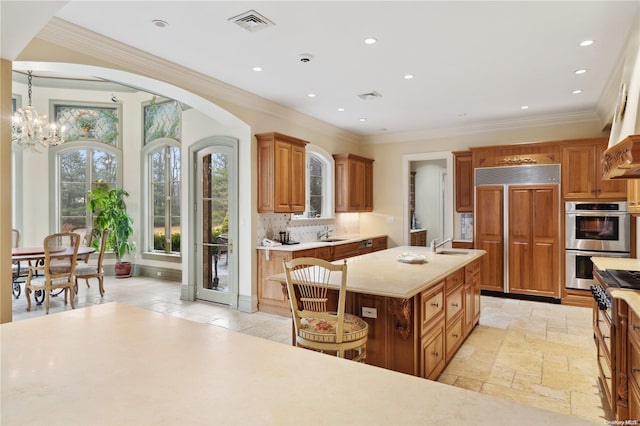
[(323, 234), (435, 245)]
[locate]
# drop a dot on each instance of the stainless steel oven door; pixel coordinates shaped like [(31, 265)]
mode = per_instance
[(604, 231), (579, 268)]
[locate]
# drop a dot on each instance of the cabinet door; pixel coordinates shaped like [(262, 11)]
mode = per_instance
[(468, 307), (356, 185), (614, 188), (633, 195), (533, 240), (271, 297), (464, 183), (298, 179), (266, 177), (283, 174), (368, 187), (489, 235), (578, 172), (432, 356)]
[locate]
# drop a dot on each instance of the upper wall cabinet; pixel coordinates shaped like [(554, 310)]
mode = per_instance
[(582, 173), (464, 181), (354, 183), (281, 173)]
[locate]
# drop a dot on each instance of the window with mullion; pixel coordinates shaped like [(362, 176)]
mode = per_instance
[(164, 200)]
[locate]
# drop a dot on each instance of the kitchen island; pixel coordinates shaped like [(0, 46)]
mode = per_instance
[(418, 314), (114, 364)]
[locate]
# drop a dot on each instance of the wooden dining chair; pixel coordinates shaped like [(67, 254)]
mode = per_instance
[(60, 258), (18, 270), (318, 325), (86, 237), (86, 270)]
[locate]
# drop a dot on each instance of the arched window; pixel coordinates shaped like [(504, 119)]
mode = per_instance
[(90, 157), (162, 124), (319, 181), (162, 201)]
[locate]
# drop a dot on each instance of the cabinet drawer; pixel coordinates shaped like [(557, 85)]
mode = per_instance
[(454, 305), (453, 338), (432, 359), (604, 328), (432, 305), (634, 364), (606, 375), (341, 251), (324, 253), (470, 270), (454, 280), (634, 327), (304, 253)]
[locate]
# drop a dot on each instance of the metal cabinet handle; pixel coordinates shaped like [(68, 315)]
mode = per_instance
[(455, 335), (455, 305), (436, 304), (635, 370), (635, 327)]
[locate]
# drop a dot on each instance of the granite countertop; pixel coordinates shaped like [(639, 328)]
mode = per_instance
[(173, 370), (305, 245), (381, 274)]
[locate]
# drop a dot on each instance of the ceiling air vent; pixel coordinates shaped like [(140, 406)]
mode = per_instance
[(252, 21), (370, 95)]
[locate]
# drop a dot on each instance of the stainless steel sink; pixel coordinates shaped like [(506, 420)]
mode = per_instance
[(452, 252), (331, 240)]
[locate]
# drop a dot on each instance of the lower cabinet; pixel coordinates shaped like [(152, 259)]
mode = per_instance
[(271, 297), (432, 359)]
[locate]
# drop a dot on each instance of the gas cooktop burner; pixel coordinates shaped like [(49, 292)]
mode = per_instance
[(626, 279)]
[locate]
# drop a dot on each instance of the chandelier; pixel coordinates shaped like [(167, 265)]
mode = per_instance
[(31, 130)]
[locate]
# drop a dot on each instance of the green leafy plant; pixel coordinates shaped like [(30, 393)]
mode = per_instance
[(86, 121), (110, 212)]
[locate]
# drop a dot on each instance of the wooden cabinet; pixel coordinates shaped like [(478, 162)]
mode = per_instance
[(471, 293), (432, 360), (464, 181), (454, 313), (354, 183), (582, 173), (432, 306), (489, 235), (419, 238), (270, 293), (281, 173), (634, 366), (534, 246), (633, 196)]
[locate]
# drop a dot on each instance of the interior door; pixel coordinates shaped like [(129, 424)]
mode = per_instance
[(216, 207)]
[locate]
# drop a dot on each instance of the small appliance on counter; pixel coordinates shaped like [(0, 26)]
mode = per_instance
[(284, 239)]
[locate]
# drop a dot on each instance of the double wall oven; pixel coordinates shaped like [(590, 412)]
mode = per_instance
[(593, 229)]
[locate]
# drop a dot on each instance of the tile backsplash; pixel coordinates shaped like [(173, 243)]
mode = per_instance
[(304, 230)]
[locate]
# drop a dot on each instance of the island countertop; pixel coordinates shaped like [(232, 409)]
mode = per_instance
[(381, 274), (114, 364)]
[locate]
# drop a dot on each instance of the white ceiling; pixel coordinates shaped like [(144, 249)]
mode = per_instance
[(473, 62)]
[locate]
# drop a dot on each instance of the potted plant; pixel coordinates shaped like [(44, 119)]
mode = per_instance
[(110, 212), (86, 122)]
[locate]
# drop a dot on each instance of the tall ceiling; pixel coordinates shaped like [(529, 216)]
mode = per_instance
[(473, 63)]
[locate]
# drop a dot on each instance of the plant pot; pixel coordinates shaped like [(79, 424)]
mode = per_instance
[(123, 269)]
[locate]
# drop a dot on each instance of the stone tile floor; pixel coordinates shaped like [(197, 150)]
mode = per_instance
[(534, 353)]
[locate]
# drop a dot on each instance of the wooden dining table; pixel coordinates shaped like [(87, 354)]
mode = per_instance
[(35, 255)]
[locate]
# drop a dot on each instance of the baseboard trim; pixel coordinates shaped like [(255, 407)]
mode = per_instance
[(529, 297)]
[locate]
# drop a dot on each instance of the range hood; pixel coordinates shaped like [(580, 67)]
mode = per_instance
[(622, 160)]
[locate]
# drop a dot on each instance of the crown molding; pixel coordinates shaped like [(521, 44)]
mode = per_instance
[(485, 127), (82, 40)]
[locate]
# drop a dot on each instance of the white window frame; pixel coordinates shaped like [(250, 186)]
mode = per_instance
[(328, 187), (147, 197)]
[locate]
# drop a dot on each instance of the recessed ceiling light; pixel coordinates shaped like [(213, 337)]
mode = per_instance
[(257, 69), (370, 40), (524, 107), (363, 119), (585, 43), (408, 76), (580, 71), (160, 23), (340, 109), (311, 95), (577, 91)]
